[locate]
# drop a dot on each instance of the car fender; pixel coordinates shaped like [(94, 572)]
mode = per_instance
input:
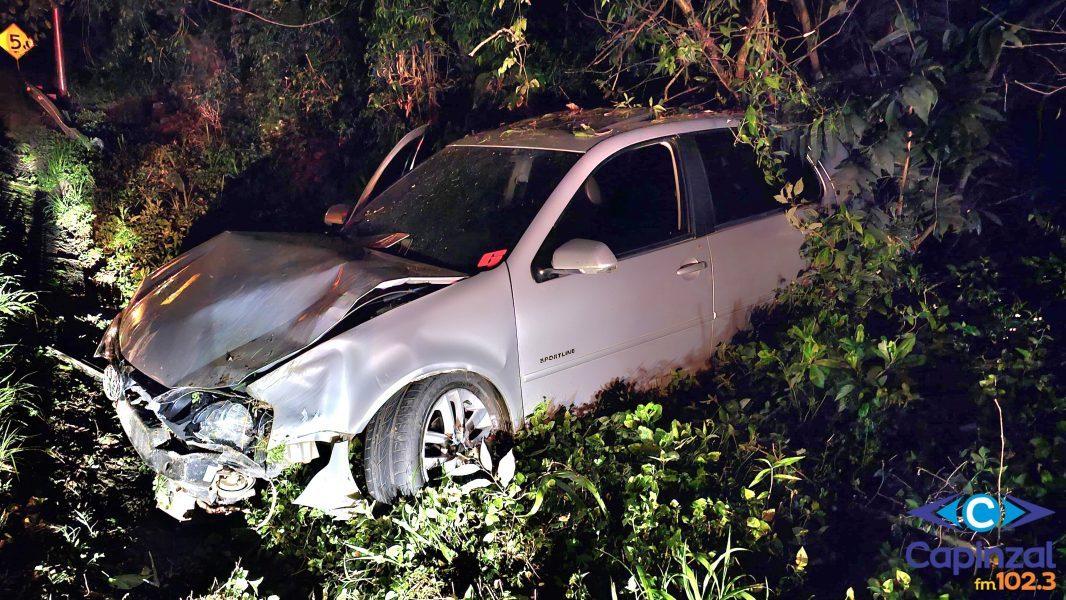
[(334, 388)]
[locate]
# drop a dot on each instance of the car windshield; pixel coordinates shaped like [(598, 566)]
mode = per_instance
[(464, 208)]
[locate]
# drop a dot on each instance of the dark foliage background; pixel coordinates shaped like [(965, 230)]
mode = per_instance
[(919, 355)]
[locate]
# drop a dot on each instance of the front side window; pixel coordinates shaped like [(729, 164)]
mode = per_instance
[(632, 202), (464, 208)]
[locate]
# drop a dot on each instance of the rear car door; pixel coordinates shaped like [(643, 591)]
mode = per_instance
[(753, 248), (578, 332)]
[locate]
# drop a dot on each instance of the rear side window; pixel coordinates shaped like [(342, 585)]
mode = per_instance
[(630, 203), (737, 184)]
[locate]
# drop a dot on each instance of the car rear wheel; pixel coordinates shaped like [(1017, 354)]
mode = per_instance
[(422, 431)]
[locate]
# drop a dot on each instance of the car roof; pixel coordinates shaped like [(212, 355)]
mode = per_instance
[(580, 130)]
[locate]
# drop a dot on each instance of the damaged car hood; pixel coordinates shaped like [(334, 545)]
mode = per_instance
[(242, 302)]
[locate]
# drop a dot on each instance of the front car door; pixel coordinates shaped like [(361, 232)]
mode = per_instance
[(398, 162), (577, 332)]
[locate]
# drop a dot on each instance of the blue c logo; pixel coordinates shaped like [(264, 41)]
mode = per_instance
[(981, 513)]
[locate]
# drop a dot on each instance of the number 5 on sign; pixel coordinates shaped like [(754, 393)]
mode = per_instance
[(15, 41)]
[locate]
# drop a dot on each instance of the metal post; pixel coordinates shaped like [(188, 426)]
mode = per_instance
[(61, 67)]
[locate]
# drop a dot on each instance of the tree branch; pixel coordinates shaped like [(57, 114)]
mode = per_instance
[(272, 22), (758, 12), (810, 36), (710, 48)]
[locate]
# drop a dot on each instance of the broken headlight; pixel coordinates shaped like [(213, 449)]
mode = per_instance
[(225, 423)]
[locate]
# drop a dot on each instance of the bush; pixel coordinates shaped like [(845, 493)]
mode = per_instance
[(630, 501), (746, 480)]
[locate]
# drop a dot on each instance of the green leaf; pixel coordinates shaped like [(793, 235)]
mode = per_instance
[(788, 461), (801, 559), (990, 44), (817, 375), (538, 500), (882, 159), (475, 484), (905, 346), (894, 36), (464, 469), (921, 95), (585, 483), (506, 468), (750, 119), (127, 581)]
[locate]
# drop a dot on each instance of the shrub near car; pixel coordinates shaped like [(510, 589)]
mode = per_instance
[(534, 263)]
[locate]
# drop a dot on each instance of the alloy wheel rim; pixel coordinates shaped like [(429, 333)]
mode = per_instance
[(457, 422)]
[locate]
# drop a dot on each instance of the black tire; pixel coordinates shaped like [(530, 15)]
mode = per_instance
[(394, 443)]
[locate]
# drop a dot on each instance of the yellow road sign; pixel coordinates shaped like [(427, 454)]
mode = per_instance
[(15, 41)]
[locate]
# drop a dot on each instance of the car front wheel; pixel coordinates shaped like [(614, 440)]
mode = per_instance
[(423, 431)]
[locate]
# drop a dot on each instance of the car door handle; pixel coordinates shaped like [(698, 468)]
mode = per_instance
[(692, 267)]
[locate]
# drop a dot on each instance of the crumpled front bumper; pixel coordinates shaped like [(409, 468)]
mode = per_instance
[(191, 472), (208, 477), (187, 473), (213, 479)]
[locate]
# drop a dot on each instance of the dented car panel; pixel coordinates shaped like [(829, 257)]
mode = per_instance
[(241, 302), (335, 387)]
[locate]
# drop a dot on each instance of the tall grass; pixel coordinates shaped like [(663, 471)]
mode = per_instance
[(15, 303), (10, 446), (696, 576)]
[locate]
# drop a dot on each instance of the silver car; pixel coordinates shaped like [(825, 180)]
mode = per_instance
[(535, 263)]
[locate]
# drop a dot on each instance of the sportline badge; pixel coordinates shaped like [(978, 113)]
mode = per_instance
[(15, 41)]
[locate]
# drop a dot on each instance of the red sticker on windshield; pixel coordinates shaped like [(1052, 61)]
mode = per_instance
[(491, 259)]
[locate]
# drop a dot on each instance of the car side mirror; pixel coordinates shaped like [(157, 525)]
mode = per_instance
[(583, 256), (337, 214)]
